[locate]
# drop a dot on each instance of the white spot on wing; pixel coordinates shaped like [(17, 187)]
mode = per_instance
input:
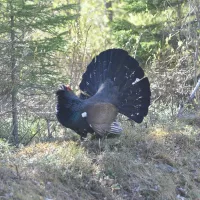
[(84, 114), (136, 80)]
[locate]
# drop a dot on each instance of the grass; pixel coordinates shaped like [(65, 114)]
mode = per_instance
[(160, 162)]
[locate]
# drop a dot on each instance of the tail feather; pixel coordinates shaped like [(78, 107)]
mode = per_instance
[(135, 100), (115, 128), (126, 74), (107, 64)]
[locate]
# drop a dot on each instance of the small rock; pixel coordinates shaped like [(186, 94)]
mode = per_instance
[(179, 197), (167, 168), (181, 191)]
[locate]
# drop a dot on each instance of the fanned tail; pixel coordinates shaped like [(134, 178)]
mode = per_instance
[(126, 74)]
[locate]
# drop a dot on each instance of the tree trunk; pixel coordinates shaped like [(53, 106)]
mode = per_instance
[(196, 54), (50, 136), (109, 11), (14, 82)]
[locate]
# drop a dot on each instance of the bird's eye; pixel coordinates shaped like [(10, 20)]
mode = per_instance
[(68, 88)]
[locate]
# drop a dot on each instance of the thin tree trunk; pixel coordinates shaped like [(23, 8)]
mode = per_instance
[(109, 11), (14, 82), (196, 53), (49, 130)]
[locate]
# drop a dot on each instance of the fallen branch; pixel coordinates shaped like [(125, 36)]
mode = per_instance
[(181, 109)]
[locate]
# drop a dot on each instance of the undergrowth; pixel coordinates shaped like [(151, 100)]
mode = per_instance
[(145, 163)]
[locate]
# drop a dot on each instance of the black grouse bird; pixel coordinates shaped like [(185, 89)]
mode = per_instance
[(113, 83)]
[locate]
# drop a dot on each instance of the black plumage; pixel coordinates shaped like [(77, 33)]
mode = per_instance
[(113, 83)]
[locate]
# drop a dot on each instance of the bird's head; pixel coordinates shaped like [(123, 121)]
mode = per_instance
[(65, 96), (67, 87), (64, 90)]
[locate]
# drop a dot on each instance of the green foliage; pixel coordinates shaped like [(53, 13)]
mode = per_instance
[(143, 26), (5, 149), (138, 6), (38, 30), (5, 128)]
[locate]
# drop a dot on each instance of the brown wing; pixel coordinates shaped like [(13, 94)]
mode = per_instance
[(100, 116)]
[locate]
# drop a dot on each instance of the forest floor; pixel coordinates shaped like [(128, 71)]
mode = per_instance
[(157, 163)]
